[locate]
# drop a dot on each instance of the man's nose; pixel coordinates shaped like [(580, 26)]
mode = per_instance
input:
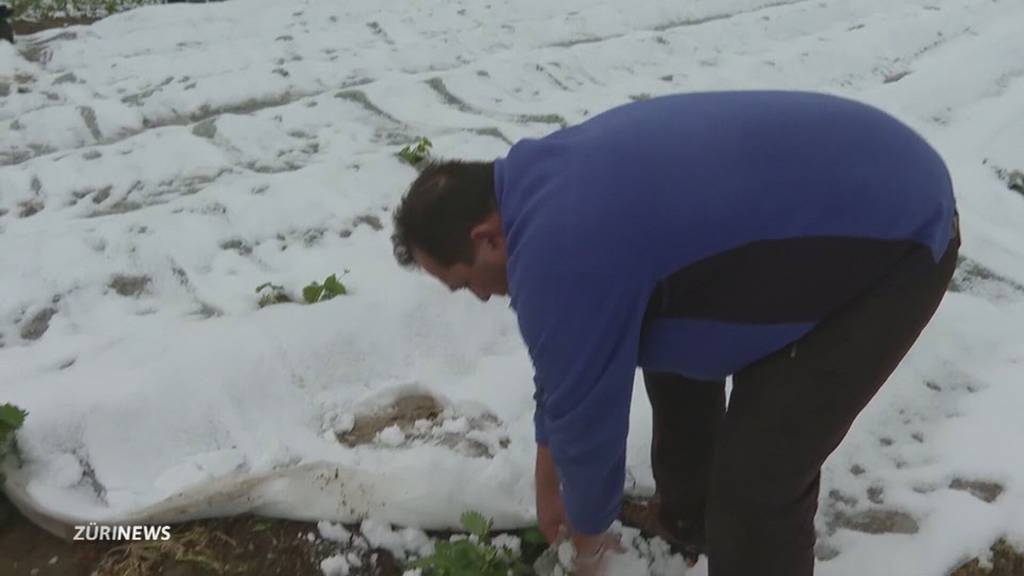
[(484, 297)]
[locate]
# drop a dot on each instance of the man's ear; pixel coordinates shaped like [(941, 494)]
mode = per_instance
[(489, 230)]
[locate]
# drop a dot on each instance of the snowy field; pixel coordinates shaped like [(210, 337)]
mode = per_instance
[(159, 165)]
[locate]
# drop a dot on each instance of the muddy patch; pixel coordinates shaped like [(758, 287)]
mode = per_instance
[(129, 286), (876, 494), (246, 544), (186, 186), (492, 133), (369, 220), (206, 129), (139, 98), (981, 489), (98, 196), (404, 413), (66, 78), (419, 419), (205, 310), (670, 25), (378, 31), (241, 246), (838, 497), (823, 551), (437, 85), (1016, 181), (974, 278), (1006, 561), (876, 521), (120, 207), (585, 40), (30, 208), (26, 27), (892, 77), (38, 325), (102, 194), (313, 236), (360, 97), (89, 117)]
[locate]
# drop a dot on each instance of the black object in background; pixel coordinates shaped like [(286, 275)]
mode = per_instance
[(6, 32)]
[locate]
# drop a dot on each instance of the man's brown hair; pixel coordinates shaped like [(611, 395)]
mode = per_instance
[(442, 205)]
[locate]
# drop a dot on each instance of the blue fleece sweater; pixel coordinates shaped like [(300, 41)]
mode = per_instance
[(722, 190)]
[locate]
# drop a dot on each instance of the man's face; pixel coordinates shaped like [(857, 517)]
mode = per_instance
[(486, 276)]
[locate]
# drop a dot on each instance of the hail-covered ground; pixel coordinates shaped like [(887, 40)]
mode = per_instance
[(160, 165)]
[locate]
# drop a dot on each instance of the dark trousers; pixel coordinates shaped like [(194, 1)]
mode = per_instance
[(747, 478)]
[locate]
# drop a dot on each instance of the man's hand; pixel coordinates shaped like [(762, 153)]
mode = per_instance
[(592, 551), (551, 519)]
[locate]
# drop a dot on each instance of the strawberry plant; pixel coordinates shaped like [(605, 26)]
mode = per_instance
[(48, 9), (472, 556), (316, 292), (11, 418), (416, 153), (272, 294)]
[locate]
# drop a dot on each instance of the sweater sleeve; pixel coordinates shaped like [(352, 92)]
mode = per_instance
[(583, 334)]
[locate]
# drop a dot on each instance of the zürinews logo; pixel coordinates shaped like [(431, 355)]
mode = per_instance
[(94, 532)]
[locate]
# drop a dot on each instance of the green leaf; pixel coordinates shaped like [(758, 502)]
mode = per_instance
[(475, 523), (333, 287), (271, 294), (533, 535), (465, 558), (312, 293), (11, 416), (472, 556), (416, 153)]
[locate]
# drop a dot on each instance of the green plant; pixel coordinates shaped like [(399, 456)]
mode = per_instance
[(533, 541), (11, 418), (49, 9), (196, 550), (1015, 181), (416, 153), (272, 294), (20, 7), (472, 556), (316, 292)]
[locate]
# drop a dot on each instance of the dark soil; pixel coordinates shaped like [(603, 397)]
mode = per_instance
[(25, 547), (403, 413), (242, 545), (1006, 561), (255, 546), (26, 27)]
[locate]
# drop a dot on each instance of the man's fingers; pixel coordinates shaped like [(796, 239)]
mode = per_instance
[(561, 534), (554, 534), (613, 542)]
